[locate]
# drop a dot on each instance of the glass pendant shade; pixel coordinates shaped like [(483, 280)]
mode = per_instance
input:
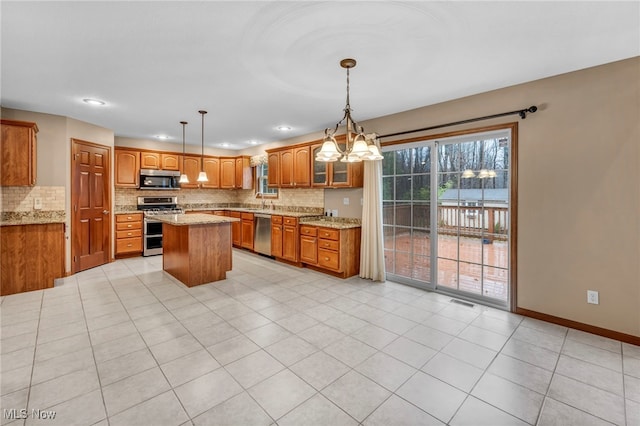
[(329, 151), (360, 147), (183, 178), (468, 173), (484, 173), (202, 177), (374, 153), (492, 174)]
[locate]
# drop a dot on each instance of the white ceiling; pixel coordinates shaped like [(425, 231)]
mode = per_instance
[(256, 65)]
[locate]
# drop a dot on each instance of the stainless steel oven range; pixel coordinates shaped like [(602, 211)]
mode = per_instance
[(152, 234)]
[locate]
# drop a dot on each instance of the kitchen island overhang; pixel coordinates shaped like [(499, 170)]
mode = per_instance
[(197, 247)]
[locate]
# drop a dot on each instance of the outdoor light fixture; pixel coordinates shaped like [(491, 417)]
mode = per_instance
[(202, 177), (183, 177), (358, 146)]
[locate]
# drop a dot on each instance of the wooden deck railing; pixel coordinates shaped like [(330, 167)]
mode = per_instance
[(480, 222)]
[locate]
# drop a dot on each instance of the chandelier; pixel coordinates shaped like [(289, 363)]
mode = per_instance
[(358, 146)]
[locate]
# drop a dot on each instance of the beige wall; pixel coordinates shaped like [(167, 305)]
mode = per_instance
[(578, 188)]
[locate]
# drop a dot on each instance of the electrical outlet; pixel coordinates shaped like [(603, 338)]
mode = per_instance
[(334, 212), (345, 201), (37, 203), (593, 297)]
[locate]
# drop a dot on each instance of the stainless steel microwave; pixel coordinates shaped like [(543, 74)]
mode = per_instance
[(159, 179)]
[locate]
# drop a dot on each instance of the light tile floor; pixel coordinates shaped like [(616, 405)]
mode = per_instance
[(125, 344)]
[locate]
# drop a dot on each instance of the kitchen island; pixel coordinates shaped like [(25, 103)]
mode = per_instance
[(196, 247)]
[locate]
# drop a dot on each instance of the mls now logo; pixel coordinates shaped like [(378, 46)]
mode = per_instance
[(14, 414)]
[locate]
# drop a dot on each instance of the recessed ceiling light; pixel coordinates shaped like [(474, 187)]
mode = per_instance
[(225, 144), (284, 128), (96, 102), (253, 142), (163, 137)]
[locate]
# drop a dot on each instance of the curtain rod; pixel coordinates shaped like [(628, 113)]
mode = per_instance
[(521, 112)]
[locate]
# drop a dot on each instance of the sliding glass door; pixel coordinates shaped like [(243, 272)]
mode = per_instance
[(447, 215)]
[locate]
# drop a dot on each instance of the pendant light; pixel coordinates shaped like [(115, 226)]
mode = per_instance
[(358, 145), (183, 177), (202, 177)]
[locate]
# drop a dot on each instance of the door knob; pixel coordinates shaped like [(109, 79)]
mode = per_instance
[(105, 211)]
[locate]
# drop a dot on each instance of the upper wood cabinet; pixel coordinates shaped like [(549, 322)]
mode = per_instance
[(18, 153), (211, 166), (335, 174), (273, 170), (191, 169), (235, 173), (150, 160), (159, 160), (295, 166), (127, 168), (170, 161), (227, 173), (244, 175)]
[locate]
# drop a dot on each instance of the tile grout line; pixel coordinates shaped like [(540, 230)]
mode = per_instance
[(95, 362), (35, 349)]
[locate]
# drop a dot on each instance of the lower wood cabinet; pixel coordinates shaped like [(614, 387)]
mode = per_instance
[(276, 236), (128, 234), (335, 250), (236, 229), (31, 257), (247, 225), (290, 238)]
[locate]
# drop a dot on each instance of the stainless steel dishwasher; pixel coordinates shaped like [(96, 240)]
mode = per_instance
[(262, 234)]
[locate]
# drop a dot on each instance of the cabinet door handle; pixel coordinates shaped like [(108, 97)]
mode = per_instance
[(129, 245), (326, 258)]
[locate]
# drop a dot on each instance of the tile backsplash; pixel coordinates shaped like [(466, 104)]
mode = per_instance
[(23, 198), (127, 198)]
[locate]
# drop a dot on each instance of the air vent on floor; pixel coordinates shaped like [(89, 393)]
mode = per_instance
[(460, 302)]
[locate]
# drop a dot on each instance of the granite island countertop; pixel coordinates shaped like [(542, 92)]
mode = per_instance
[(193, 219)]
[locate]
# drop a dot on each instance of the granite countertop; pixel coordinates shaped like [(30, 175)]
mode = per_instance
[(32, 218), (332, 222), (193, 219), (258, 211)]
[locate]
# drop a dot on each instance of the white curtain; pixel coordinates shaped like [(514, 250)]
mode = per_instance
[(372, 241)]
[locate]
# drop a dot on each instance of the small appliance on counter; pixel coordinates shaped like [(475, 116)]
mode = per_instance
[(159, 179), (154, 206)]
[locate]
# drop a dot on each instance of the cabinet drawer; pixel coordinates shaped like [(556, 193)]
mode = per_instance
[(127, 245), (129, 234), (329, 234), (134, 217), (329, 244), (291, 221), (247, 216), (124, 226), (276, 219), (235, 214), (308, 230), (328, 259)]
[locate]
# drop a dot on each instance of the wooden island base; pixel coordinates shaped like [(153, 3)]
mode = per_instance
[(197, 254)]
